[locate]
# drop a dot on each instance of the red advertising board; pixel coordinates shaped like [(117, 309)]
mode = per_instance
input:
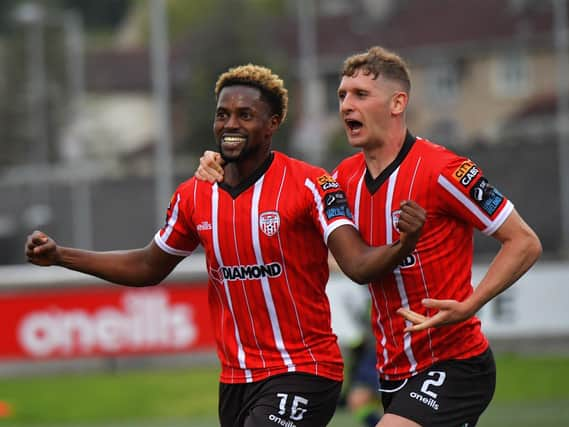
[(88, 321)]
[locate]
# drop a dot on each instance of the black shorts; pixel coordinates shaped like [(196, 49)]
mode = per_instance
[(450, 393), (287, 400)]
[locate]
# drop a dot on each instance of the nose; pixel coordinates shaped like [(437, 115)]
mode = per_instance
[(232, 122), (346, 104)]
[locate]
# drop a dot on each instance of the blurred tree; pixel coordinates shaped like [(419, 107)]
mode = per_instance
[(213, 35), (209, 36), (99, 14), (22, 102)]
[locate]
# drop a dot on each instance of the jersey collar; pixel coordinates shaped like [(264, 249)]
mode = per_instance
[(374, 184), (251, 179)]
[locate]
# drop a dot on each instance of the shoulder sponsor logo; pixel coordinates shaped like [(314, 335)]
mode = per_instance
[(466, 173), (203, 226), (245, 272), (326, 182), (335, 198), (336, 211), (486, 196), (336, 204), (269, 223)]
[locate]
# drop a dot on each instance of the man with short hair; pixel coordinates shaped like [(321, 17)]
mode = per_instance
[(435, 365)]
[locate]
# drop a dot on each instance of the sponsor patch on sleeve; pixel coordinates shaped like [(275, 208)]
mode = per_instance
[(326, 182), (466, 173), (336, 204), (486, 196)]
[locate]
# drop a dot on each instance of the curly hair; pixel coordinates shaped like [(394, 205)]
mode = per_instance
[(271, 85), (379, 61)]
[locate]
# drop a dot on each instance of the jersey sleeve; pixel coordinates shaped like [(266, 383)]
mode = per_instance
[(465, 193), (179, 236), (331, 209)]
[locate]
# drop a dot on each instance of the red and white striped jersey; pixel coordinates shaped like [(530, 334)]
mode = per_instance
[(457, 198), (266, 253)]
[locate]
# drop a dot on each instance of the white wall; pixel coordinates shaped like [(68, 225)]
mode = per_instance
[(534, 307)]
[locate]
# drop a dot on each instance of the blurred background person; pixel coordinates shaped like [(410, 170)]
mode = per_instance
[(350, 308)]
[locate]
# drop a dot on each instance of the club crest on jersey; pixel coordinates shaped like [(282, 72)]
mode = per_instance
[(395, 215), (269, 223)]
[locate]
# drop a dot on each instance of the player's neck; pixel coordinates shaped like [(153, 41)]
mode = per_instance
[(237, 172), (379, 156)]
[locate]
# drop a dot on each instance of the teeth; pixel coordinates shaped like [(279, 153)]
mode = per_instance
[(233, 139)]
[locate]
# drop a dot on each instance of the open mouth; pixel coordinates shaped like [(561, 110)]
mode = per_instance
[(353, 125)]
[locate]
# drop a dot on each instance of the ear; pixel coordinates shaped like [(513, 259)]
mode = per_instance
[(399, 103), (274, 123)]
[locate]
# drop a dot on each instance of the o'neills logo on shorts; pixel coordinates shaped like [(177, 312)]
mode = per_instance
[(246, 272)]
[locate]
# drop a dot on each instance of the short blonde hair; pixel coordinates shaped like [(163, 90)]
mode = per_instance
[(379, 61), (271, 85)]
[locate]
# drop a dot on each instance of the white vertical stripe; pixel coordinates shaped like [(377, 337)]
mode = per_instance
[(285, 273), (413, 179), (264, 280), (195, 193), (419, 263), (380, 325), (427, 295), (217, 251), (397, 270), (244, 289), (222, 325), (172, 220), (358, 199)]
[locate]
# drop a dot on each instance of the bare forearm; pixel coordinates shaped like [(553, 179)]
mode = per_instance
[(363, 263), (375, 262), (127, 268), (511, 262)]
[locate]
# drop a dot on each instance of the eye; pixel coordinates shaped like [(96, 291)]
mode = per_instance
[(361, 93), (220, 115), (246, 115), (341, 95)]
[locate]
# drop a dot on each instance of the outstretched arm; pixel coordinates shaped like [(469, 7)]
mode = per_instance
[(363, 263), (520, 250), (137, 267)]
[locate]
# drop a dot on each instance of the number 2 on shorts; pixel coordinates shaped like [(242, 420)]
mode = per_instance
[(433, 382)]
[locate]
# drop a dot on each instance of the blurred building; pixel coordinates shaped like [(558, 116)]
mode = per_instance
[(483, 83), (479, 67)]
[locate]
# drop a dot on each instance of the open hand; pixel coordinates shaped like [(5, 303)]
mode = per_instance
[(449, 312)]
